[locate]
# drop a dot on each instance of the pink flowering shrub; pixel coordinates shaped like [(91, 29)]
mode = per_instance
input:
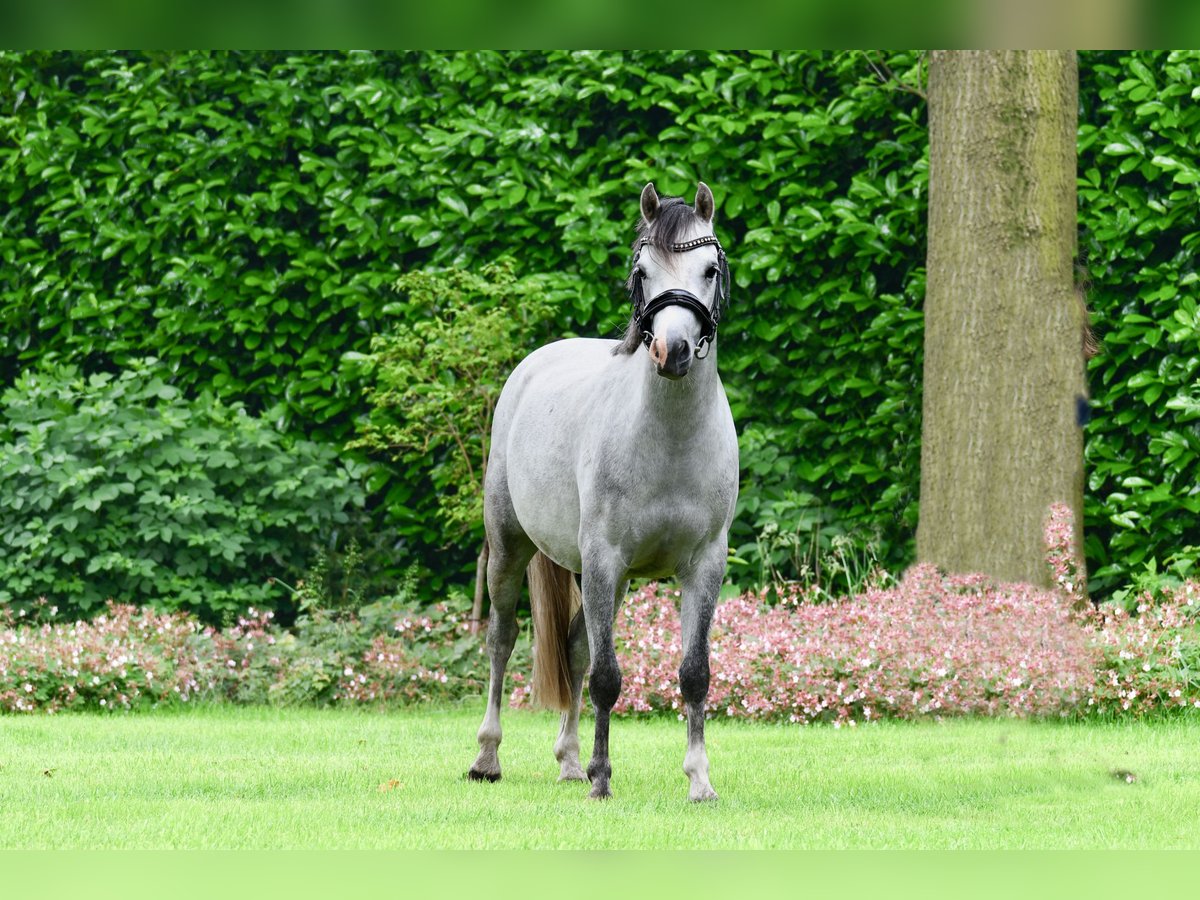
[(1147, 661), (933, 645), (1062, 556), (124, 658), (1151, 660), (428, 656), (131, 657)]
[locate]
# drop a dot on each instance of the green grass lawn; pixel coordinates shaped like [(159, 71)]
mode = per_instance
[(258, 778)]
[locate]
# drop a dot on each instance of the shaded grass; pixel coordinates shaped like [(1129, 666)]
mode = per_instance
[(222, 777)]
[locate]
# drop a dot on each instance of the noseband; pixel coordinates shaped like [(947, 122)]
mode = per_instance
[(709, 316)]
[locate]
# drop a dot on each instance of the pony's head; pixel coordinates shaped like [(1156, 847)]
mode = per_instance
[(677, 283)]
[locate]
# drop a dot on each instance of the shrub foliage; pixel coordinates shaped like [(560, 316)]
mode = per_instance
[(1139, 202), (118, 487), (240, 216), (431, 385), (933, 646)]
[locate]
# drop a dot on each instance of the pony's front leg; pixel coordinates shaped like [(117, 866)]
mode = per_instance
[(600, 585), (700, 590)]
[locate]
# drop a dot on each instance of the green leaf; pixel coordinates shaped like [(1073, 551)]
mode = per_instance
[(455, 203)]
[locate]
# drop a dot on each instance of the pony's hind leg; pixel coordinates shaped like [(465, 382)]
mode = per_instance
[(700, 590), (566, 747), (506, 566)]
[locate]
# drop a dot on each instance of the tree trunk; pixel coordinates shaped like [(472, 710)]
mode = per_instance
[(480, 579), (1004, 368)]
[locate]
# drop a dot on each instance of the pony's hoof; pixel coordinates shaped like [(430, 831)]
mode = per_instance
[(479, 775), (600, 792), (572, 773), (702, 794)]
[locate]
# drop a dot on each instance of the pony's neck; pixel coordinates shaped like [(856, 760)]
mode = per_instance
[(683, 401)]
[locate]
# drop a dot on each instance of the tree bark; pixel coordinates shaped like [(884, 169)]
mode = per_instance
[(481, 562), (1004, 368)]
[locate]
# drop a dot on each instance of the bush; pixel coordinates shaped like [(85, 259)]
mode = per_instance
[(431, 384), (1148, 660), (116, 487), (240, 215), (128, 658), (124, 658), (932, 646), (1138, 204)]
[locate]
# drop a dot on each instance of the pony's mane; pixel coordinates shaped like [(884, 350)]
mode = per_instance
[(672, 221)]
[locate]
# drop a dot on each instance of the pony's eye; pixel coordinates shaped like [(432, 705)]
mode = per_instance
[(711, 273)]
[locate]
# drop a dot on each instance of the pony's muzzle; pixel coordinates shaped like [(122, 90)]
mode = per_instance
[(673, 358)]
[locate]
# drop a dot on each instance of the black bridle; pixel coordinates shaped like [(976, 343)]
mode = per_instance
[(710, 316)]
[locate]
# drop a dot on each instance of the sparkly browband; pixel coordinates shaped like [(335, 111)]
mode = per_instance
[(688, 245)]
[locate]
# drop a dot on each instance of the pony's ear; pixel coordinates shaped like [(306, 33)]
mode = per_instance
[(704, 202), (649, 202)]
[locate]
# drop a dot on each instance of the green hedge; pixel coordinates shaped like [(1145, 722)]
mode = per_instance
[(119, 487), (1139, 202), (240, 215)]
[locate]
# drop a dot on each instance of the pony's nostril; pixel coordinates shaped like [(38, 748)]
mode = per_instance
[(680, 357)]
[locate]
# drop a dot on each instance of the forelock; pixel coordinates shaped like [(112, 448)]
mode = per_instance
[(671, 224)]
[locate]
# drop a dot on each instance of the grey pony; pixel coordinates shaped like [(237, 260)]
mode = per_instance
[(613, 460)]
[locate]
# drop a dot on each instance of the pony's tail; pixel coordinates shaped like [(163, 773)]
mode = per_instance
[(554, 598)]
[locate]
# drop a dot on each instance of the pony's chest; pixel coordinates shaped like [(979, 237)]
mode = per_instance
[(663, 540), (656, 522)]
